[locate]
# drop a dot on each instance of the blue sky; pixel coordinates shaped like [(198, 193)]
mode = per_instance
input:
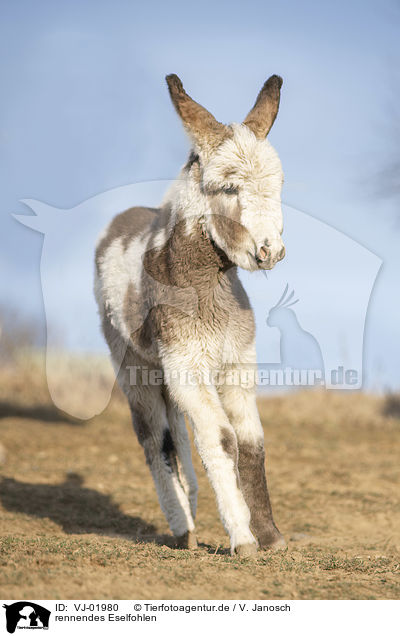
[(85, 109)]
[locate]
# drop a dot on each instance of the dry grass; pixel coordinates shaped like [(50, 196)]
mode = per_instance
[(79, 516)]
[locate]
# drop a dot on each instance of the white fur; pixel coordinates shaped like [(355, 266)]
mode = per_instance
[(255, 169)]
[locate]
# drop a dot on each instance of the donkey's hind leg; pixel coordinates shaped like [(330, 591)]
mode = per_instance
[(150, 421), (181, 442)]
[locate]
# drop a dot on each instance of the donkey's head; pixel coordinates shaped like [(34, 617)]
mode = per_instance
[(239, 176)]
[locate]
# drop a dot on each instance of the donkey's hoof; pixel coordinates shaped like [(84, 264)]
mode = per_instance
[(278, 543), (187, 541), (246, 550)]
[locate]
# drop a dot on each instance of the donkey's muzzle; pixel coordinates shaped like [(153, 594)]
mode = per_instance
[(267, 257)]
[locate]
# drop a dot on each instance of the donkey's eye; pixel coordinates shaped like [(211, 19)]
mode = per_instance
[(230, 189)]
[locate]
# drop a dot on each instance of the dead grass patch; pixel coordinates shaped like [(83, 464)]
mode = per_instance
[(79, 517)]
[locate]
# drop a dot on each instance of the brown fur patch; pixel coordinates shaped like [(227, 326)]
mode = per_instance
[(193, 166), (193, 160), (140, 425), (127, 226), (229, 444), (254, 487), (186, 260), (136, 318), (230, 447), (233, 232), (264, 112), (168, 452), (199, 122), (194, 265), (229, 173)]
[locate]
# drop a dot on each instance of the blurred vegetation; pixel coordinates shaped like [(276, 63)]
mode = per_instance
[(18, 333)]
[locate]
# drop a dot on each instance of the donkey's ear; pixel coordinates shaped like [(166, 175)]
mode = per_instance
[(205, 130), (263, 114)]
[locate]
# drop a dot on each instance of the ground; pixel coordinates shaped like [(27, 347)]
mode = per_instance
[(79, 517)]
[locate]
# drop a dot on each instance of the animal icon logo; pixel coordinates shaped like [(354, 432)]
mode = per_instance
[(26, 615), (299, 349)]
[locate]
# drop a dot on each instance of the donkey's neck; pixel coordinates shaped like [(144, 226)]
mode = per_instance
[(189, 255)]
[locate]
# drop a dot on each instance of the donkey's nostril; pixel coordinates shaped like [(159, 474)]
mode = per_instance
[(282, 253), (263, 253)]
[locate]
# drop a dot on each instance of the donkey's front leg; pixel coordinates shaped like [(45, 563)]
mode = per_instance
[(240, 406), (215, 440)]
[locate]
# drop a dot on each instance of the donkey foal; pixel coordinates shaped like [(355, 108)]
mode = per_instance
[(169, 298)]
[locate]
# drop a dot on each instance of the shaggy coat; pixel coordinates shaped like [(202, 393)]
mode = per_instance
[(171, 304)]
